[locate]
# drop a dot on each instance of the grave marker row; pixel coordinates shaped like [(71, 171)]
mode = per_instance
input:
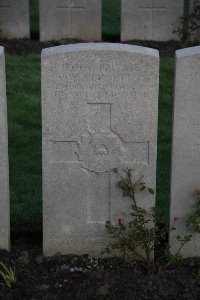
[(81, 19), (99, 112)]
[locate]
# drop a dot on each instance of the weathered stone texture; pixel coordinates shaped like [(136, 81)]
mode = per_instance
[(74, 19), (14, 19), (185, 177), (150, 19), (99, 113), (4, 180)]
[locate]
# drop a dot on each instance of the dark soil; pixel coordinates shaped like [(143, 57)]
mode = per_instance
[(75, 277), (26, 46)]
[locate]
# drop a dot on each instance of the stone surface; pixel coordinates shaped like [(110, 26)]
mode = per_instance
[(150, 19), (4, 180), (14, 19), (74, 19), (99, 113), (186, 144)]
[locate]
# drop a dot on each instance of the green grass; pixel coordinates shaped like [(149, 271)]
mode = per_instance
[(34, 18), (24, 113), (23, 91), (111, 19), (164, 134)]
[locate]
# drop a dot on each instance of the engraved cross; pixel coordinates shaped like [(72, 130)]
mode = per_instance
[(152, 9), (71, 6), (98, 151)]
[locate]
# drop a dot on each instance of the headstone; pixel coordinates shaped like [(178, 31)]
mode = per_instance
[(185, 176), (150, 19), (70, 19), (14, 19), (99, 113), (4, 181)]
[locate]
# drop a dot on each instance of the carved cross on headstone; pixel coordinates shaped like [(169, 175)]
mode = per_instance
[(71, 6), (98, 152), (152, 9), (100, 149)]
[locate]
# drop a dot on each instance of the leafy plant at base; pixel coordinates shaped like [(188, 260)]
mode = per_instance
[(194, 218), (189, 22), (141, 232), (193, 221), (7, 274), (140, 237), (177, 258)]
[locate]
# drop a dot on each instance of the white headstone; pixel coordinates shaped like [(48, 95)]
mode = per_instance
[(14, 19), (4, 180), (185, 176), (150, 19), (99, 113), (74, 19)]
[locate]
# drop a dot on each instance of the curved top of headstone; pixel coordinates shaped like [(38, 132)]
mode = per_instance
[(100, 47), (188, 51)]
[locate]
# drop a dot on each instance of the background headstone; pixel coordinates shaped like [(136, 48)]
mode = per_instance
[(75, 19), (99, 113), (14, 19), (4, 173), (185, 176), (150, 19)]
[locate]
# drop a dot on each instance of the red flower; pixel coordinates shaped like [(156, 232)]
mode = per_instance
[(120, 221), (176, 219)]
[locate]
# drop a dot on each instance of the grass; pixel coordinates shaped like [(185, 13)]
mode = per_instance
[(34, 18), (24, 114), (23, 91), (111, 19), (164, 135)]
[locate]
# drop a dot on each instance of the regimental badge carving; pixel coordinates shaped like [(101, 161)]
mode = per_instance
[(100, 149), (100, 152)]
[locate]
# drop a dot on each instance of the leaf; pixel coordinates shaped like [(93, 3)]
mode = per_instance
[(151, 191), (126, 193), (142, 188)]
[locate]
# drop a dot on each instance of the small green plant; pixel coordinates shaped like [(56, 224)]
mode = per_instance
[(197, 274), (190, 22), (177, 258), (141, 232), (90, 265), (194, 218), (7, 274)]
